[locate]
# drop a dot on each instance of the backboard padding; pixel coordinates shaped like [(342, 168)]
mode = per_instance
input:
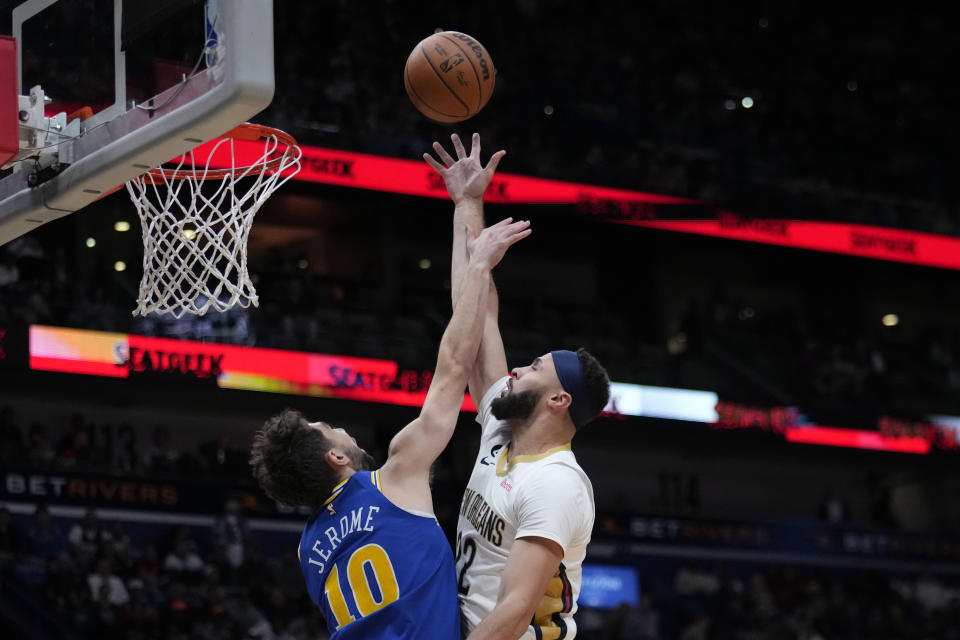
[(9, 132)]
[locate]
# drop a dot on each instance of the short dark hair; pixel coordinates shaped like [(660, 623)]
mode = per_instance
[(288, 459), (596, 381)]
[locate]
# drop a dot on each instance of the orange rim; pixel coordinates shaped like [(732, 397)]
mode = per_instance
[(245, 131)]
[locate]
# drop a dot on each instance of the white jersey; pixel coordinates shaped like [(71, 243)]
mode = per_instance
[(547, 496)]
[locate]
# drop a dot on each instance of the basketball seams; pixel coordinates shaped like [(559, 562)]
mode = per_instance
[(423, 51), (475, 73), (416, 96), (425, 89)]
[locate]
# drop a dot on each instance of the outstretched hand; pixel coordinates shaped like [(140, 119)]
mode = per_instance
[(465, 177), (491, 245)]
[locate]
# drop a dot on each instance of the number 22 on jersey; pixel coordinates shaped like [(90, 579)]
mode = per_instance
[(372, 581), (467, 551)]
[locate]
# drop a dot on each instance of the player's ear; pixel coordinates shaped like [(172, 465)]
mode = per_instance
[(336, 458), (559, 400)]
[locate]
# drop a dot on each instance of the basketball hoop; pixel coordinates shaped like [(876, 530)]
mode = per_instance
[(195, 239)]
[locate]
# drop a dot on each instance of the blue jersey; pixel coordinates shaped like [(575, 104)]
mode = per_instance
[(377, 571)]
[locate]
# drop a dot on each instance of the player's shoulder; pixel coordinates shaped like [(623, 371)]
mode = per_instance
[(558, 487), (350, 489), (559, 471), (359, 481), (560, 460)]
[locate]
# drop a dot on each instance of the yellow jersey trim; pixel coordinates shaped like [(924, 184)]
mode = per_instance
[(336, 491), (503, 467)]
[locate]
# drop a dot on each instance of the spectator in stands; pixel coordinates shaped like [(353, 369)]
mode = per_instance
[(698, 629), (881, 502), (87, 536), (230, 532), (690, 581), (250, 619), (761, 598), (11, 436), (11, 539), (121, 546), (148, 566), (37, 308), (182, 559), (142, 613), (75, 447), (834, 508), (121, 454), (39, 449), (223, 456), (104, 578), (179, 611), (642, 623), (45, 538), (9, 272), (160, 455), (66, 594), (704, 603), (103, 620)]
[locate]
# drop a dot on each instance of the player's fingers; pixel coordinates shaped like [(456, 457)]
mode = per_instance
[(500, 232), (444, 156), (439, 168), (495, 161), (517, 237), (513, 232), (458, 146), (517, 226), (475, 146)]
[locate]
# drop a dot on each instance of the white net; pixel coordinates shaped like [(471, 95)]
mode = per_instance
[(195, 229)]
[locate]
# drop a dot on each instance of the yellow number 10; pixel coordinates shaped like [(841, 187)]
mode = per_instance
[(382, 568)]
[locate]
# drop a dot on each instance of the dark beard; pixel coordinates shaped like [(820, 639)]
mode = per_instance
[(515, 406)]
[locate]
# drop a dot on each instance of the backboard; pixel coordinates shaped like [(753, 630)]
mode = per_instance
[(159, 77)]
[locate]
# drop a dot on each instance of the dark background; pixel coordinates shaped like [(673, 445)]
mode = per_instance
[(853, 121)]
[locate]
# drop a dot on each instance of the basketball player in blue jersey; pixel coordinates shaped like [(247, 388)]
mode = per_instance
[(373, 555), (527, 513)]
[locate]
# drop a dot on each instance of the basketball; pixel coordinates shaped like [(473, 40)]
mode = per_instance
[(449, 76)]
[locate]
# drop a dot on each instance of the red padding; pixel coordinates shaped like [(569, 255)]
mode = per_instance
[(9, 90)]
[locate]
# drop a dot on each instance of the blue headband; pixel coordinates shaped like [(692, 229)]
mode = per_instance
[(570, 374)]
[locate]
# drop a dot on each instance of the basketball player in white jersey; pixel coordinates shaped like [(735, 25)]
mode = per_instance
[(527, 513)]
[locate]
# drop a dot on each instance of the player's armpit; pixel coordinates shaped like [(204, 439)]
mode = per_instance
[(413, 450), (418, 444), (532, 564)]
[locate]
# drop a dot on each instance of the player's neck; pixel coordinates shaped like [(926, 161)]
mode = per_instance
[(345, 475), (537, 437)]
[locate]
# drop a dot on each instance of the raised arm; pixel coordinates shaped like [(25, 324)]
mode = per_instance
[(414, 449), (467, 181)]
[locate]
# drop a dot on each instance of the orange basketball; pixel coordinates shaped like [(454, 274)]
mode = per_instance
[(449, 76)]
